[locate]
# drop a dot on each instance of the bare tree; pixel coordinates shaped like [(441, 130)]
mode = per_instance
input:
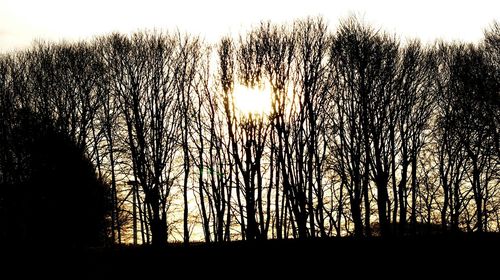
[(366, 67), (312, 45), (278, 44), (143, 78), (185, 71), (414, 103)]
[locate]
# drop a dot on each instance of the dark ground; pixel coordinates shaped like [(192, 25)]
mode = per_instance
[(443, 256)]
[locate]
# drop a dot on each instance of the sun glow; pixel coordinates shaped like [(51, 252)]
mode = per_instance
[(254, 101)]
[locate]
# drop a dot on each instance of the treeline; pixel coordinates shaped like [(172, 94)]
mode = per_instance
[(366, 134)]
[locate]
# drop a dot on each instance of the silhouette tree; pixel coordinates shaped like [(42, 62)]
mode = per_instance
[(312, 45), (477, 89), (278, 56), (361, 128), (367, 67), (53, 197), (414, 106), (214, 178), (143, 76), (247, 131), (185, 71), (106, 130), (466, 133)]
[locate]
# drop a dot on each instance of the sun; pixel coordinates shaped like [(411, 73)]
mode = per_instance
[(252, 101)]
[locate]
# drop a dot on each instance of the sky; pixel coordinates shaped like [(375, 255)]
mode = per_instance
[(22, 21)]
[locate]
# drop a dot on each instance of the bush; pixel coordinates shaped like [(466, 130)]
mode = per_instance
[(53, 196)]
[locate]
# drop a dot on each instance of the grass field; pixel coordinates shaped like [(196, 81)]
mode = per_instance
[(466, 254)]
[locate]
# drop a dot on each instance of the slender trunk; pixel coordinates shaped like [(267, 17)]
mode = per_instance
[(251, 230), (259, 201), (413, 218), (147, 221), (478, 195), (366, 183), (185, 194), (381, 183), (187, 166), (365, 126), (269, 190), (402, 192), (240, 206), (222, 206), (249, 185), (340, 210), (393, 177), (446, 199), (310, 181), (134, 213), (356, 216), (141, 218), (455, 213), (205, 221), (277, 203), (284, 207), (228, 201)]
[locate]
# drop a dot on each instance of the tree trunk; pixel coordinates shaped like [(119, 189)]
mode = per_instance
[(158, 224), (402, 192), (413, 218)]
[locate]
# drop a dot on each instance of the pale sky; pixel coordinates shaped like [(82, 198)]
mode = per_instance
[(22, 21)]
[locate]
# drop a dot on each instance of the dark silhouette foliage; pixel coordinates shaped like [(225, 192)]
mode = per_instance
[(50, 195), (364, 135)]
